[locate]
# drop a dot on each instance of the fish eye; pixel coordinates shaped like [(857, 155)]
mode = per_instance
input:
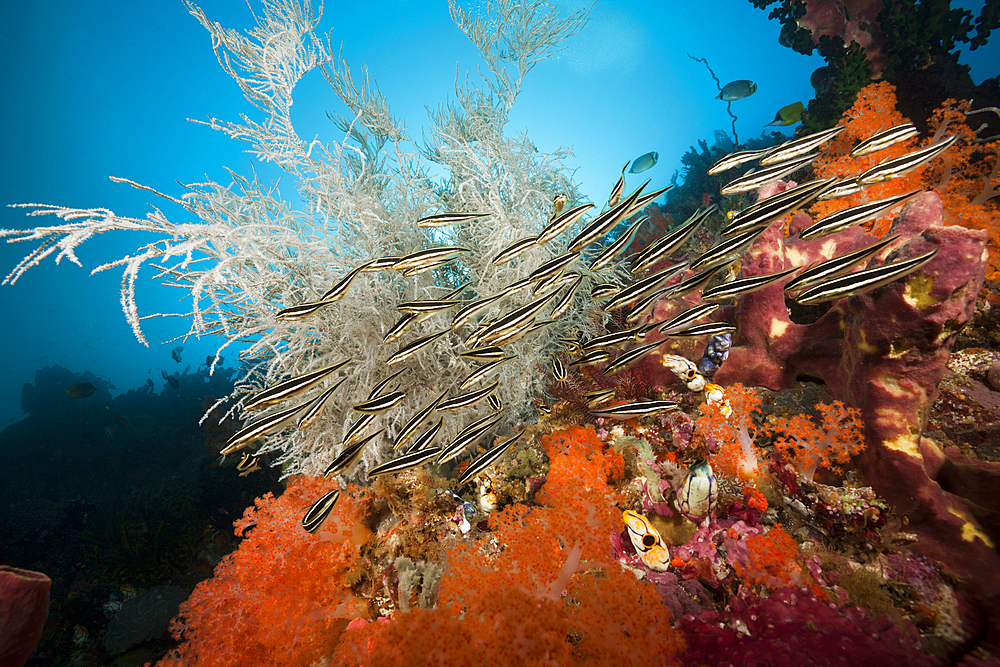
[(690, 374), (648, 540)]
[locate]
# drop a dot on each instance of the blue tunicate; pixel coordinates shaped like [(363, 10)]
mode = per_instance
[(716, 352)]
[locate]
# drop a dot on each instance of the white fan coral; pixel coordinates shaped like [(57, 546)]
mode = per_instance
[(246, 253)]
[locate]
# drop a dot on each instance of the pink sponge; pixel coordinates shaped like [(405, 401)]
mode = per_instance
[(24, 606)]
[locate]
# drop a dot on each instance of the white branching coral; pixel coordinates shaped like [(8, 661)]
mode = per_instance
[(246, 253)]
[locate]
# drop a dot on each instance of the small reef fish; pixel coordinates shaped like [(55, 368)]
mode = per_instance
[(616, 192), (425, 439), (883, 140), (764, 212), (842, 188), (689, 316), (862, 281), (702, 330), (634, 409), (337, 292), (429, 258), (557, 206), (904, 164), (171, 380), (496, 405), (317, 513), (566, 300), (665, 246), (789, 114), (765, 175), (592, 358), (468, 436), (630, 358), (399, 328), (855, 215), (794, 148), (248, 463), (737, 90), (427, 306), (357, 429), (695, 282), (514, 250), (445, 219), (381, 404), (832, 268), (350, 455), (416, 420), (644, 162), (599, 397), (315, 407), (286, 389), (559, 372), (175, 353), (258, 429), (489, 458), (726, 250), (380, 387), (405, 462), (603, 290), (85, 389), (735, 160), (468, 398), (647, 541), (488, 353), (415, 346), (562, 222), (699, 492), (483, 372), (554, 265), (617, 246), (605, 222), (741, 286)]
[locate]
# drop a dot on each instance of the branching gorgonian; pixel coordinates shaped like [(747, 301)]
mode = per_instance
[(244, 253)]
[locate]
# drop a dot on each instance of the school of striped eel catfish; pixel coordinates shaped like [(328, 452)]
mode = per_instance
[(553, 285)]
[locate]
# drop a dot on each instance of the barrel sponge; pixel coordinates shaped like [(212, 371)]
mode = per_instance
[(24, 606)]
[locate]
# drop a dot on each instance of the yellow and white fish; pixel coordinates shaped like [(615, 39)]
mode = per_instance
[(647, 541)]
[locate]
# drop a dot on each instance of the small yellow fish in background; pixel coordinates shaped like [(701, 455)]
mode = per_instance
[(788, 115), (737, 90), (647, 541), (80, 390)]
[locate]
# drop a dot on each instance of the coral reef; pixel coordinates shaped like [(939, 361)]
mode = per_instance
[(912, 45)]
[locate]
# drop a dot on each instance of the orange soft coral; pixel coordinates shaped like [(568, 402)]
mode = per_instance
[(545, 590), (833, 437), (967, 177), (735, 453), (278, 599), (874, 111), (772, 562)]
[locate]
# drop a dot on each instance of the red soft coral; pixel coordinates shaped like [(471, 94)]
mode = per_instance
[(278, 599)]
